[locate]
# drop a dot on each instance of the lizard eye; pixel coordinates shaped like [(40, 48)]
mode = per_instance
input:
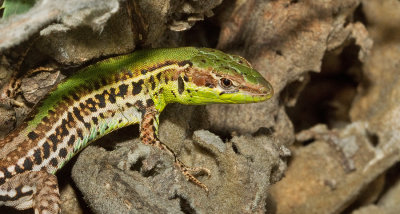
[(226, 82)]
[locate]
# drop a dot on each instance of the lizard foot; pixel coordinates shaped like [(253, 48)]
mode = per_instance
[(186, 171)]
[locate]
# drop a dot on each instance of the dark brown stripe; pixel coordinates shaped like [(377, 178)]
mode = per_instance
[(158, 77), (112, 96), (71, 140), (95, 120), (32, 135), (185, 62), (28, 164), (77, 114), (54, 162), (137, 87), (45, 119), (139, 104), (91, 105), (149, 102), (123, 89), (63, 153), (96, 85), (75, 96), (37, 158), (46, 150), (79, 132), (181, 85), (54, 141), (18, 195), (87, 125), (18, 169), (7, 174), (63, 128), (101, 100), (153, 84)]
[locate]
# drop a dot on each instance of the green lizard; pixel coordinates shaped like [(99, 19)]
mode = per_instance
[(109, 95)]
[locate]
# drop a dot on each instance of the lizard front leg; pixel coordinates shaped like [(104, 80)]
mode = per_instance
[(149, 136), (32, 189)]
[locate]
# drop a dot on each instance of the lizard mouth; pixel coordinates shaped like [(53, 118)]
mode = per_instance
[(260, 91), (266, 93)]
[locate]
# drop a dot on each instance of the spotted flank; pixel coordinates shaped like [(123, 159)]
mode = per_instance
[(109, 95)]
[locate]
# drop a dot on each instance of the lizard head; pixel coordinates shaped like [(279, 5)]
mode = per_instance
[(212, 76)]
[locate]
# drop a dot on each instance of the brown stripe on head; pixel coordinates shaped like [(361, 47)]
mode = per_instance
[(201, 77), (255, 89), (211, 78)]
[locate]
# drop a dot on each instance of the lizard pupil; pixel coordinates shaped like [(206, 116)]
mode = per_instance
[(226, 82)]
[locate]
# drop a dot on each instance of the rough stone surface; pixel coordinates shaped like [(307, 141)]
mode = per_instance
[(34, 88), (6, 121), (205, 136), (142, 179), (316, 181), (176, 15), (284, 40), (122, 185), (69, 45), (69, 201), (390, 201), (387, 203), (73, 13), (319, 180)]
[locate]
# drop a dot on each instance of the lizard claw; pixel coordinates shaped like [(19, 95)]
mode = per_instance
[(186, 172)]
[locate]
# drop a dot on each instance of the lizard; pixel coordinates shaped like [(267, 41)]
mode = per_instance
[(111, 94)]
